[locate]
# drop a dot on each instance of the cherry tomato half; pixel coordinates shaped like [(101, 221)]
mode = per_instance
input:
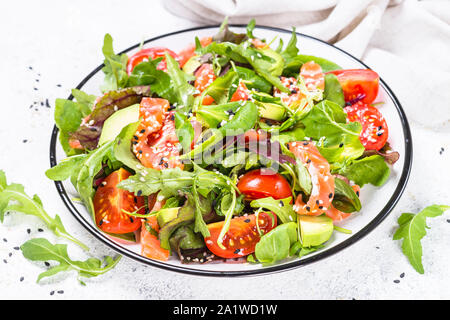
[(242, 236), (375, 132), (150, 53), (357, 82), (109, 201), (263, 183)]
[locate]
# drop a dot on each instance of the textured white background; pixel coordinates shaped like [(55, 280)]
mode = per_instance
[(61, 42)]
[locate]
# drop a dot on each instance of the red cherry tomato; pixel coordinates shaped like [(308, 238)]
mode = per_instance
[(263, 183), (150, 53), (358, 82), (242, 236), (375, 132), (109, 201), (187, 53)]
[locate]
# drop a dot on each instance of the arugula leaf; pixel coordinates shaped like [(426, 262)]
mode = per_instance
[(40, 249), (250, 28), (85, 101), (297, 249), (184, 131), (225, 35), (274, 245), (14, 199), (68, 115), (412, 228), (180, 81), (65, 168), (282, 208), (373, 170), (345, 199), (115, 67), (291, 50), (333, 90)]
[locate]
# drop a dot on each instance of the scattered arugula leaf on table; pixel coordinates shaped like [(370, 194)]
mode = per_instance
[(412, 228)]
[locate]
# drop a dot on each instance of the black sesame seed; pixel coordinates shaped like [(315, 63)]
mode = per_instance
[(402, 275), (47, 264), (47, 104), (448, 220), (139, 193), (357, 193), (321, 207), (135, 142), (135, 199), (308, 161), (330, 195), (161, 161), (281, 203), (58, 85), (10, 254), (40, 230), (28, 231), (61, 291), (131, 219), (341, 145), (379, 134), (5, 240), (380, 127), (288, 146), (35, 89), (317, 202), (237, 251), (93, 129), (21, 279), (100, 222), (52, 293), (24, 140), (4, 260), (16, 248), (140, 151), (308, 208), (166, 164), (135, 137), (172, 118), (247, 220), (142, 131), (305, 143), (396, 281)]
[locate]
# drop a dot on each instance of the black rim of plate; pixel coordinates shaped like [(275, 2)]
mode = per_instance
[(263, 270)]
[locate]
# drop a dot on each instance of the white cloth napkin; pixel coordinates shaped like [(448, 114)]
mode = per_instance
[(406, 42)]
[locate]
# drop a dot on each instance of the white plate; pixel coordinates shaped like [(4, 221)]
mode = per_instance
[(377, 203)]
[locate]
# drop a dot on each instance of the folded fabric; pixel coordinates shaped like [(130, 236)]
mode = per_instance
[(406, 42)]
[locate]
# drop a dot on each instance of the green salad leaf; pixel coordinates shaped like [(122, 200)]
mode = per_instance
[(115, 67), (345, 199), (373, 170), (412, 228), (282, 208), (274, 245), (14, 199), (40, 249), (333, 90)]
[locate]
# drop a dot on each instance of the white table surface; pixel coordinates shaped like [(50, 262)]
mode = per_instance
[(49, 43)]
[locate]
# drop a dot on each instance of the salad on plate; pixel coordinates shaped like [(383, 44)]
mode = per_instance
[(232, 150)]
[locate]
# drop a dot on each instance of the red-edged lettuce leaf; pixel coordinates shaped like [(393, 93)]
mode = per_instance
[(89, 132)]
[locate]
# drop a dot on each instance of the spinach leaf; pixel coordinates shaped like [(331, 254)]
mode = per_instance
[(338, 140), (14, 199), (297, 249), (333, 90), (345, 199), (252, 80), (282, 208), (40, 249), (115, 67), (371, 170), (274, 245), (412, 228)]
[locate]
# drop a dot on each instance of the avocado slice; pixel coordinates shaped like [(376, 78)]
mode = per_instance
[(165, 215), (315, 230), (191, 65), (117, 121), (271, 111)]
